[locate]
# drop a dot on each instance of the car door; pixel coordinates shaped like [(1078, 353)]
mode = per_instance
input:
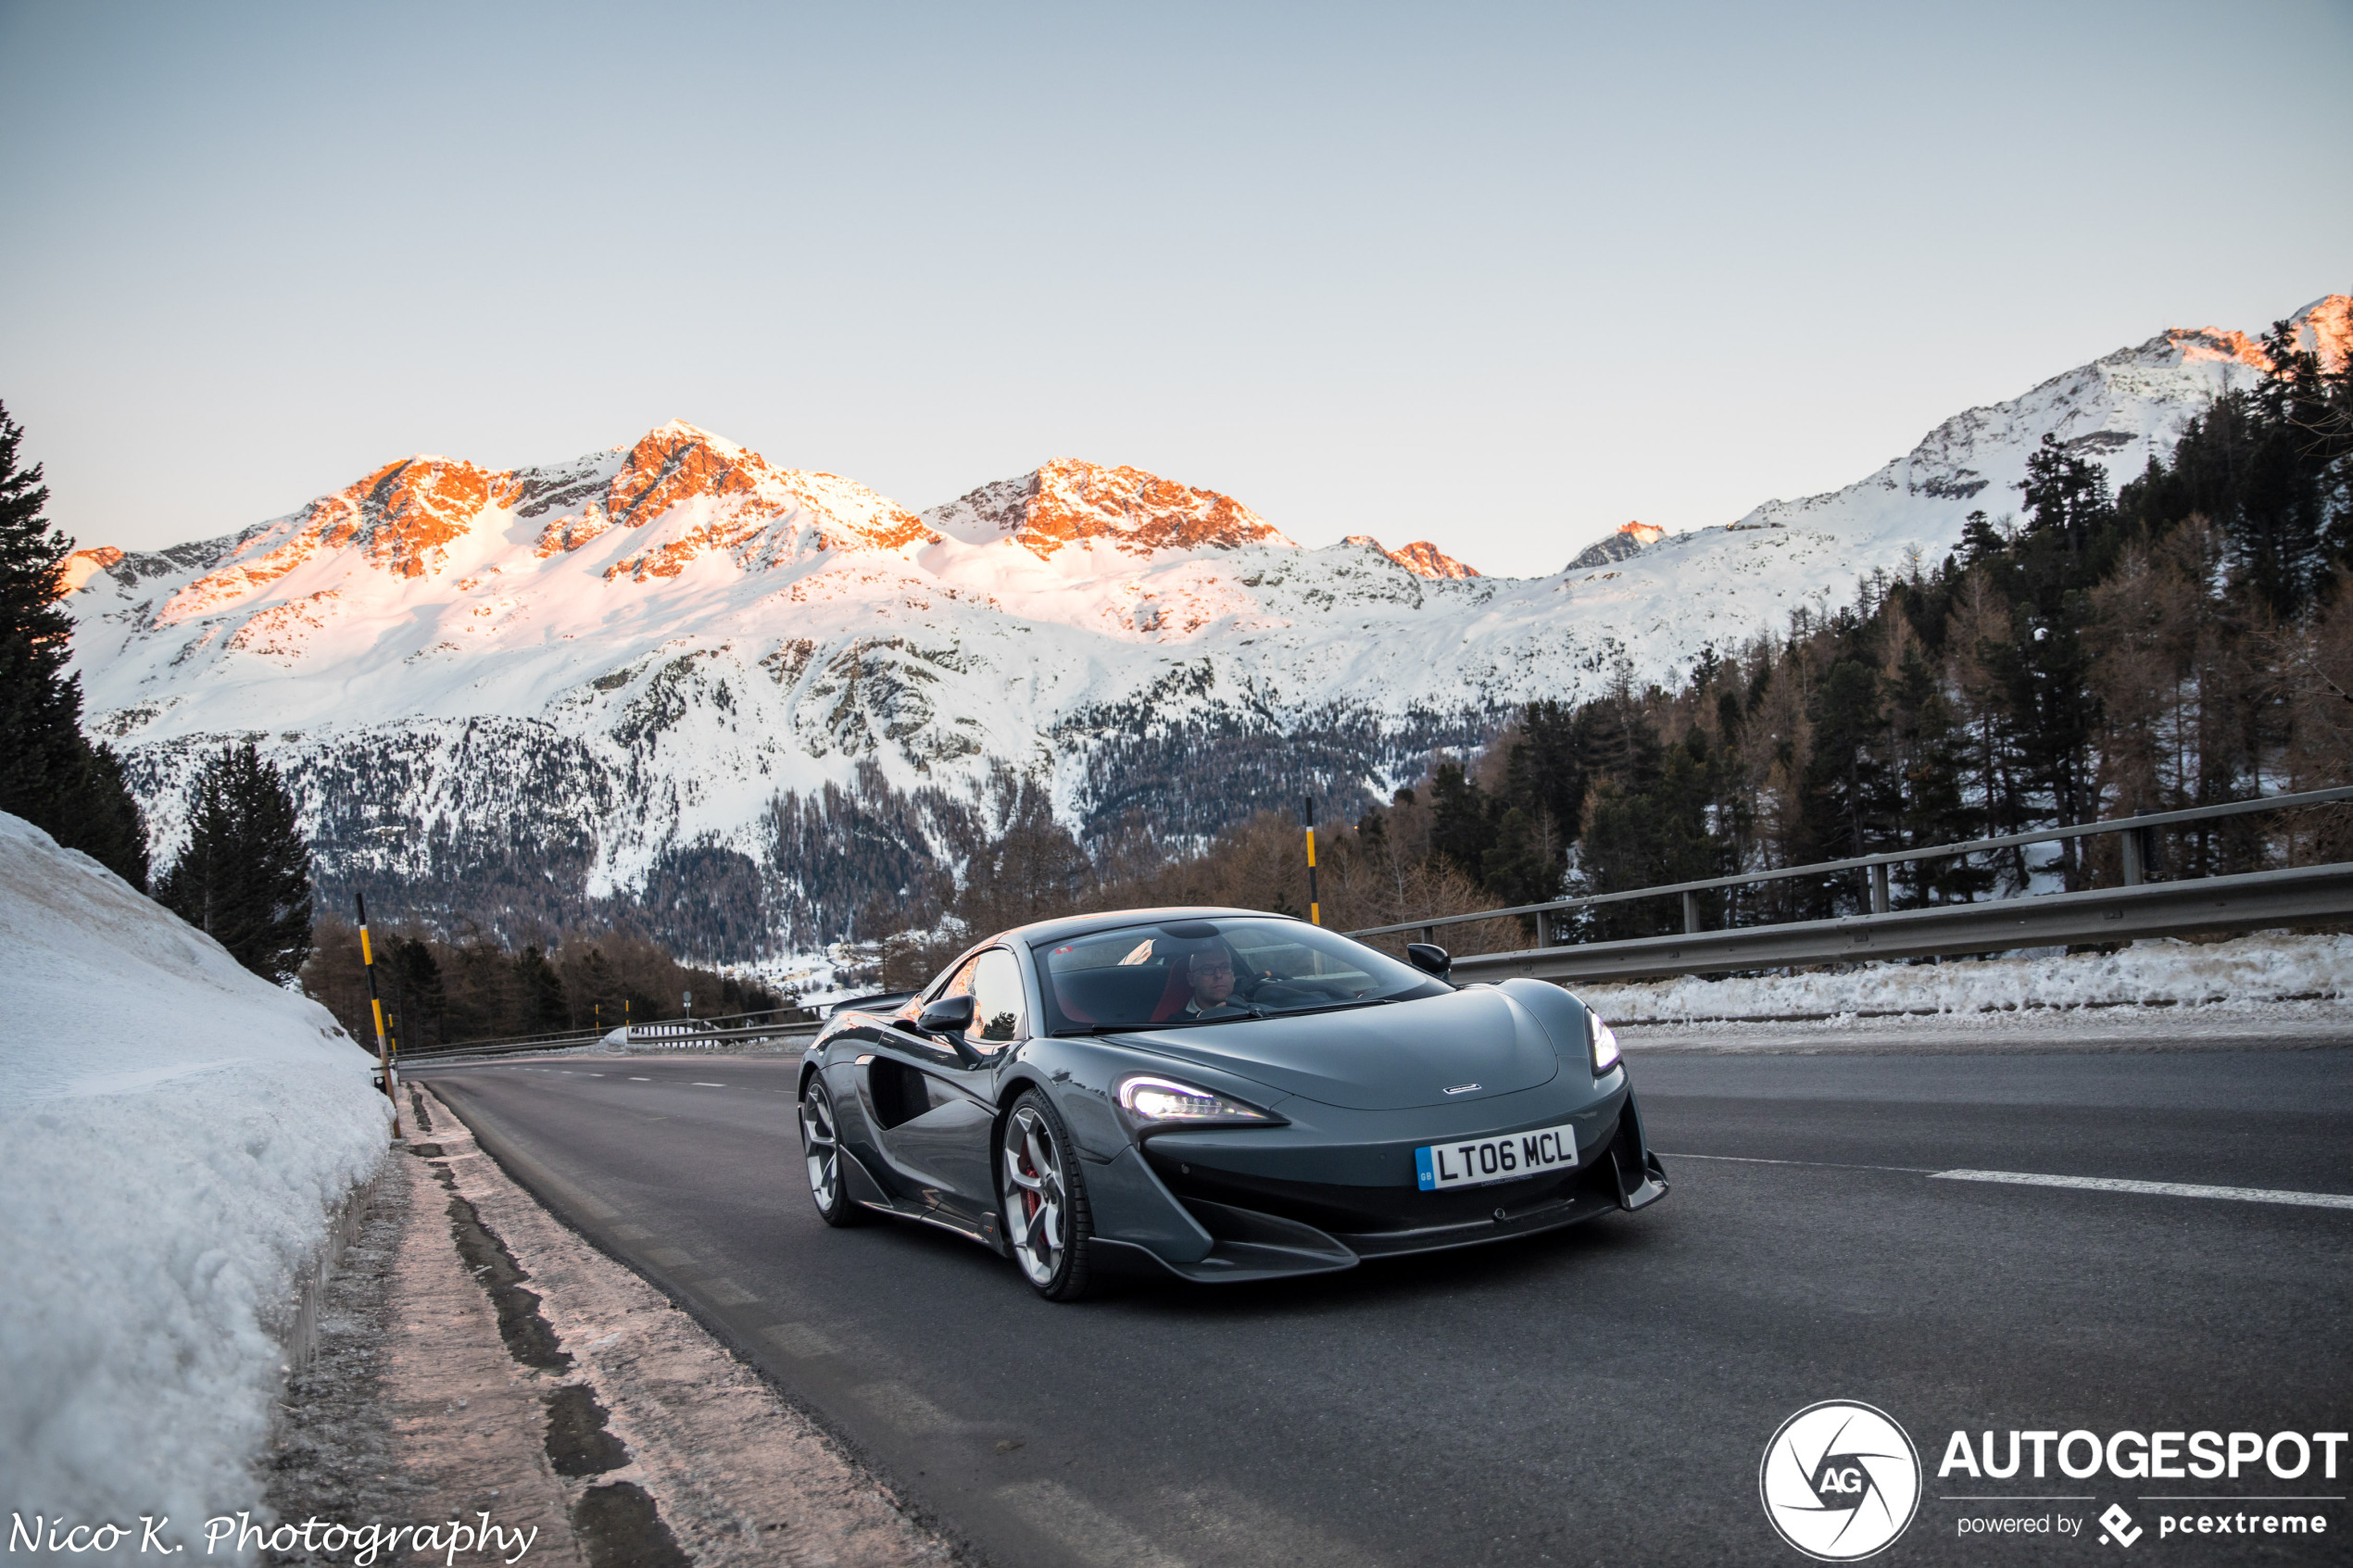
[(931, 1106)]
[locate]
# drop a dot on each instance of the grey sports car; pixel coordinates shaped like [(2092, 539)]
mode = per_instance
[(1221, 1095)]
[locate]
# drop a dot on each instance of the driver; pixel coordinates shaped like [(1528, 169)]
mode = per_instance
[(1211, 973)]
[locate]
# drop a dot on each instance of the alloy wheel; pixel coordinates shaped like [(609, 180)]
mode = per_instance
[(821, 1148), (1035, 1216)]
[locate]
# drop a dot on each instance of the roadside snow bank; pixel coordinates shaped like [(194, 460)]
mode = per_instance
[(177, 1131), (2264, 967)]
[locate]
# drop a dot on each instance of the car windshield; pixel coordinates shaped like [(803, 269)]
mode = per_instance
[(1174, 973)]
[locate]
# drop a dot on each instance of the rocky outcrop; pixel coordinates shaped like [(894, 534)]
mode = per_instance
[(1068, 501), (1631, 538), (1421, 557)]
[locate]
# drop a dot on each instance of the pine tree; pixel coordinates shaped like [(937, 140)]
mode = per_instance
[(542, 993), (2065, 494), (593, 986), (244, 877), (1463, 819), (1655, 838), (49, 774), (417, 988), (1851, 795), (1529, 857), (1546, 769), (97, 814), (1934, 749)]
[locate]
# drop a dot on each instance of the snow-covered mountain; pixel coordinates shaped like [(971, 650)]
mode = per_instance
[(737, 699)]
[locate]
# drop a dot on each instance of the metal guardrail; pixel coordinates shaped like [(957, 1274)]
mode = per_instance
[(2249, 902), (421, 1055), (679, 1034), (1963, 928), (670, 1037), (2135, 861)]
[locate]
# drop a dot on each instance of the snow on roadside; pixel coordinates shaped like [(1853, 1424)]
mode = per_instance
[(2266, 966), (178, 1131)]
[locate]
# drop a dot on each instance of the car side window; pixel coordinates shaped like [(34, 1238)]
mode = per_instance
[(998, 1011), (958, 982)]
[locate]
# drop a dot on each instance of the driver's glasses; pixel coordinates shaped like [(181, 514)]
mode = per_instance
[(1205, 970)]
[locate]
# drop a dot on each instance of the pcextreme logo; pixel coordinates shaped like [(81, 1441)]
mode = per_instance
[(1840, 1481)]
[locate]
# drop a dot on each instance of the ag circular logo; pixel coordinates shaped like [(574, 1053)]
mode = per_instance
[(1840, 1480)]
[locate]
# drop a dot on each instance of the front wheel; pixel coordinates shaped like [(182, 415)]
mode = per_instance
[(821, 1151), (1045, 1199)]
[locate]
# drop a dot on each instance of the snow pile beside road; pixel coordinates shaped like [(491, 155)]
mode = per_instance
[(177, 1131), (2266, 966)]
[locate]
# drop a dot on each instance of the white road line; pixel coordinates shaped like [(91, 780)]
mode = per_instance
[(2155, 1189), (1085, 1531), (702, 1085), (799, 1339), (2085, 1183), (641, 1080), (905, 1409), (1817, 1164)]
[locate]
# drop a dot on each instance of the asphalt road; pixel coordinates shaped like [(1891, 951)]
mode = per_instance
[(1602, 1395)]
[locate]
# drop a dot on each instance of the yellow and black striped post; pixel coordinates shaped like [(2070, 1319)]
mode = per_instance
[(375, 1006), (1314, 910)]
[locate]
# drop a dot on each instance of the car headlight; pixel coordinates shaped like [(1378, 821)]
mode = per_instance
[(1603, 1040), (1164, 1103)]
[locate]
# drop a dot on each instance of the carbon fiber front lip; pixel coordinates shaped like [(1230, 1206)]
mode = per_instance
[(1595, 1194)]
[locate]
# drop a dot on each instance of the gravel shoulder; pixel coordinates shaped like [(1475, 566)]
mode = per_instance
[(477, 1358)]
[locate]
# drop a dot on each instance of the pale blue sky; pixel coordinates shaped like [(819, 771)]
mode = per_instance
[(1502, 276)]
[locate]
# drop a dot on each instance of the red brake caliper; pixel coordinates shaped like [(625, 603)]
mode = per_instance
[(1032, 1199)]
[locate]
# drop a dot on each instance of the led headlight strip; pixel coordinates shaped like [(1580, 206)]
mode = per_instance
[(1603, 1040), (1164, 1103)]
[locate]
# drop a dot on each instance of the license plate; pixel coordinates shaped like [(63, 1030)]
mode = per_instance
[(1477, 1161)]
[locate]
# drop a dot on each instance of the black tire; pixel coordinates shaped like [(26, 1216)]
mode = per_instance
[(1043, 1194), (822, 1156)]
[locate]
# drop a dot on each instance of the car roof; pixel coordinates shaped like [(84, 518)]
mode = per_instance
[(1111, 920)]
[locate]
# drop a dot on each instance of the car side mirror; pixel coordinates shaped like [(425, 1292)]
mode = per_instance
[(1430, 957), (950, 1015)]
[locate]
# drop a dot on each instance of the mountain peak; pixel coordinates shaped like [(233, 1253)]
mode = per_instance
[(676, 462), (1631, 538), (2325, 328), (400, 519), (1421, 557), (739, 497), (2197, 344), (1069, 500), (680, 429)]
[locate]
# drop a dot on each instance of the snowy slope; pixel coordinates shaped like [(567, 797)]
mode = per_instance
[(178, 1131), (596, 665)]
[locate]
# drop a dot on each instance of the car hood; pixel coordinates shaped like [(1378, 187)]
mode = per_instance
[(1391, 1057)]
